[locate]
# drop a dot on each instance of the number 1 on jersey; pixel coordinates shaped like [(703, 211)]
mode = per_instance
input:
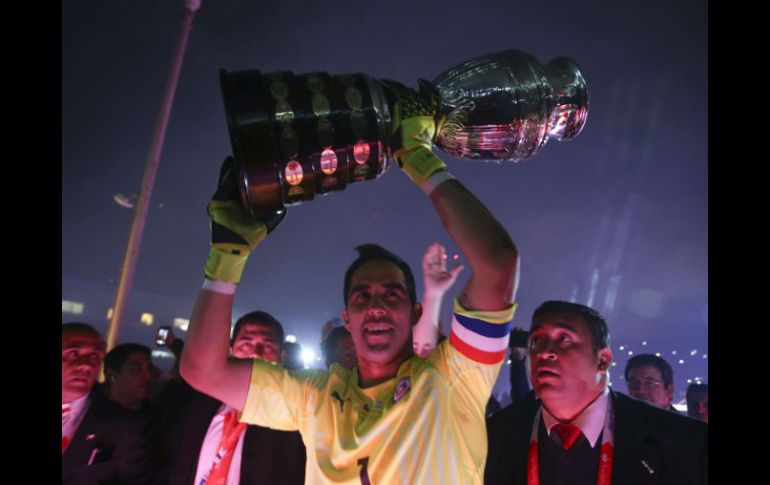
[(364, 474)]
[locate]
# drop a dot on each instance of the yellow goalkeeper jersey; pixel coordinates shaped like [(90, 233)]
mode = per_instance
[(424, 426)]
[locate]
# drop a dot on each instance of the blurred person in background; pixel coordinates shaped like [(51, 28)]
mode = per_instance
[(338, 348), (698, 401), (128, 370), (650, 378), (292, 356)]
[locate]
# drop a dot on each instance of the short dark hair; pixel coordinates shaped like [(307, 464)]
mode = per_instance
[(79, 328), (652, 360), (372, 252), (116, 357), (595, 320), (293, 359), (327, 346), (695, 388), (258, 318)]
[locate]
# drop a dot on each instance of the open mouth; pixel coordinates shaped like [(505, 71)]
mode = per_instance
[(378, 333), (376, 330)]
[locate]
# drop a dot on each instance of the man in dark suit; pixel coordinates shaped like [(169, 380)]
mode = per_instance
[(262, 455), (574, 430), (650, 378), (128, 371), (101, 442)]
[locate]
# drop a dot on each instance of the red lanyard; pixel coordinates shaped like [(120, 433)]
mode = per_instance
[(605, 455), (232, 429)]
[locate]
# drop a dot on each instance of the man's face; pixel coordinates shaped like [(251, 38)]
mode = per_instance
[(81, 357), (563, 363), (698, 406), (345, 352), (379, 313), (132, 383), (255, 340), (645, 382)]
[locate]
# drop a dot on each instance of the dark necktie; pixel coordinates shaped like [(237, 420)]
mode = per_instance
[(569, 433)]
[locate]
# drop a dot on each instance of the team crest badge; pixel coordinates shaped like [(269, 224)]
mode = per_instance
[(401, 389)]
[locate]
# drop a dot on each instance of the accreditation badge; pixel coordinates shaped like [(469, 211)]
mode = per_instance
[(402, 388)]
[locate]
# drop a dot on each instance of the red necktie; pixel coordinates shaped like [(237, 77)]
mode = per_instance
[(569, 433), (231, 431)]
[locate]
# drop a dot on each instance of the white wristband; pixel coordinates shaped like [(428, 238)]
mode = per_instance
[(435, 180), (222, 287)]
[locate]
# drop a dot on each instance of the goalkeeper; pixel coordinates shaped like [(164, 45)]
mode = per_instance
[(396, 418)]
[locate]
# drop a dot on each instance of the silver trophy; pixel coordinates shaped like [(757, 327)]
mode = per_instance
[(296, 136)]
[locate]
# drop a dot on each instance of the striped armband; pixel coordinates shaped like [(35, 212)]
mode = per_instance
[(480, 335)]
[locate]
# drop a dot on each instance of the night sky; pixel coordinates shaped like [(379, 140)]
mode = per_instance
[(616, 218)]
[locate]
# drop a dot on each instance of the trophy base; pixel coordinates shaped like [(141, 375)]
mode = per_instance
[(298, 136)]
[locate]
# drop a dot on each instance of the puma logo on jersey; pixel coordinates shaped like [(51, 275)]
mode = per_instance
[(336, 395)]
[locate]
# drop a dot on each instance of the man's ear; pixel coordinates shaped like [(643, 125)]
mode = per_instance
[(416, 313), (345, 319), (670, 391), (605, 358)]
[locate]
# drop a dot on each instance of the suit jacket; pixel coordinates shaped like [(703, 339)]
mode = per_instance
[(270, 457), (114, 440), (673, 446), (165, 413)]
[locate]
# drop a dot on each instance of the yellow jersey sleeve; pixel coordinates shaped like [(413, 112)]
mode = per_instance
[(278, 398)]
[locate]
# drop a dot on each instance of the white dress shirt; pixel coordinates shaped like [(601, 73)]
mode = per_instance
[(590, 420), (211, 446), (78, 408)]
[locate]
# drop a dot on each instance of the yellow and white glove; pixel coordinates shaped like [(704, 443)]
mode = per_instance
[(414, 127), (233, 233)]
